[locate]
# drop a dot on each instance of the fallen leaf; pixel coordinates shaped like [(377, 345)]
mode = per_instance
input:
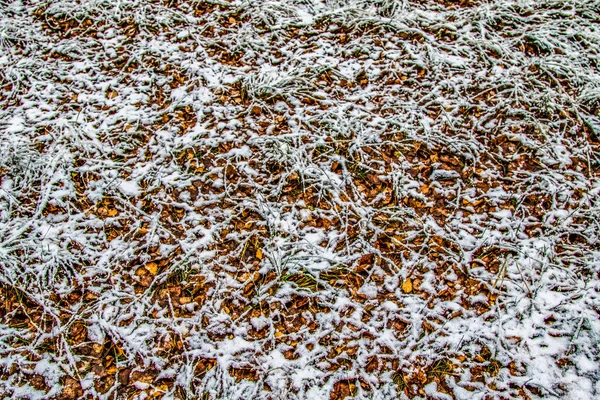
[(407, 286), (259, 254), (123, 376), (152, 267), (159, 390)]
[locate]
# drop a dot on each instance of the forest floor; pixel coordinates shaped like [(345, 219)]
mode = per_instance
[(299, 199)]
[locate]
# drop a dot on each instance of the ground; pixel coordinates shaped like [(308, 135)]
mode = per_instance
[(299, 199)]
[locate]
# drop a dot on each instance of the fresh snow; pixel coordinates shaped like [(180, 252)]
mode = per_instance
[(299, 199)]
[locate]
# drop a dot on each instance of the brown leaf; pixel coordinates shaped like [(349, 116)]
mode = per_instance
[(185, 300), (146, 280), (99, 370)]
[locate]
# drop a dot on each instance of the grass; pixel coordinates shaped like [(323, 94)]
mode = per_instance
[(303, 280), (399, 380), (441, 368)]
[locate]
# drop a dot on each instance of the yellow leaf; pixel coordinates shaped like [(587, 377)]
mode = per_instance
[(152, 268), (407, 286), (112, 212), (259, 254), (159, 390)]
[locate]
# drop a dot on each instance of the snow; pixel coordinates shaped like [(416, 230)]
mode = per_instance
[(129, 188), (285, 167), (141, 385), (440, 174)]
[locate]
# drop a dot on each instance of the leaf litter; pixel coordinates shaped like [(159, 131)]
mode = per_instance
[(299, 199)]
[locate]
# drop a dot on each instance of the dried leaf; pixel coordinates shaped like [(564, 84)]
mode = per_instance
[(152, 267), (407, 286), (259, 254)]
